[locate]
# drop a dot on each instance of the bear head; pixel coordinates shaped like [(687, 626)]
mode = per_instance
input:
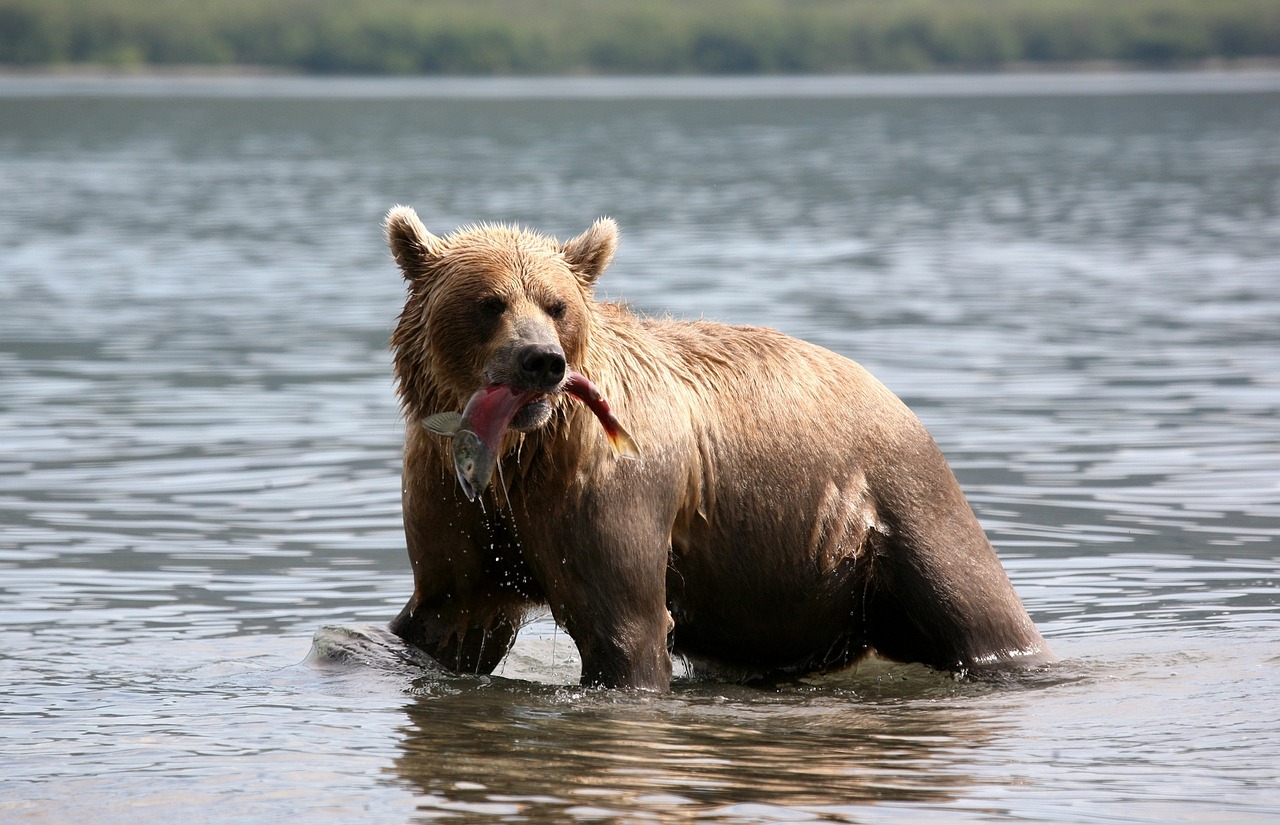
[(492, 304)]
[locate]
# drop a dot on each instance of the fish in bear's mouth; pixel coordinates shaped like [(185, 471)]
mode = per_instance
[(493, 409), (532, 415)]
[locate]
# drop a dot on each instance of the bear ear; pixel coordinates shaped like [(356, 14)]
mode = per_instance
[(415, 249), (591, 252)]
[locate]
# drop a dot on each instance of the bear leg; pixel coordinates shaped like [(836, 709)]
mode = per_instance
[(955, 615), (462, 641), (610, 597), (635, 658)]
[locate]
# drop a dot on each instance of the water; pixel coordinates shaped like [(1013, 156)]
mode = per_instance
[(1075, 283)]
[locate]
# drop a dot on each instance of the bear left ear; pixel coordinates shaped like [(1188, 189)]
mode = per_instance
[(591, 252), (415, 249)]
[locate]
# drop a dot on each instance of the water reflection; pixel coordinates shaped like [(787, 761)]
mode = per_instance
[(533, 745), (707, 752)]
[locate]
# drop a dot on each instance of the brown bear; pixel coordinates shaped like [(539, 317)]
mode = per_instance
[(787, 513)]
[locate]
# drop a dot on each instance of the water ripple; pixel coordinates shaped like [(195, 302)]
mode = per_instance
[(200, 447)]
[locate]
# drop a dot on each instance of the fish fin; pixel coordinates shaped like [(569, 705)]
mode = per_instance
[(624, 446), (443, 423)]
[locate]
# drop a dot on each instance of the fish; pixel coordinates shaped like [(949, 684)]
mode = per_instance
[(581, 388), (477, 431)]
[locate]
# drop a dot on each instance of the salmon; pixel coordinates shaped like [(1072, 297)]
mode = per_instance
[(478, 430)]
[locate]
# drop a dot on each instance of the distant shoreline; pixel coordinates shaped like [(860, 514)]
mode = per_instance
[(1244, 65), (413, 38), (263, 85)]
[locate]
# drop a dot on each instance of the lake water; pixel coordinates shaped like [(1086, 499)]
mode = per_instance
[(1074, 281)]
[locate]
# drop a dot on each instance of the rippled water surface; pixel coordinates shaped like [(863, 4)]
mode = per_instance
[(1075, 284)]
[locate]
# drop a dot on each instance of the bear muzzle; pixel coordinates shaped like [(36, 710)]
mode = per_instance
[(541, 367), (538, 368), (531, 358)]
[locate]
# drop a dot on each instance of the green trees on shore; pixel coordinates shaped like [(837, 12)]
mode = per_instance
[(631, 36)]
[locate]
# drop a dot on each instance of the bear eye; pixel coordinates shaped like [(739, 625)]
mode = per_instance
[(556, 310), (493, 306)]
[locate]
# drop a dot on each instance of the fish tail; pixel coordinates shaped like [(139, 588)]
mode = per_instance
[(622, 443)]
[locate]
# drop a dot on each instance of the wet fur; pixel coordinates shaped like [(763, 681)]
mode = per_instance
[(789, 513)]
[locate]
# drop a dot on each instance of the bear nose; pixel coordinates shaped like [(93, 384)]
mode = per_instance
[(542, 365)]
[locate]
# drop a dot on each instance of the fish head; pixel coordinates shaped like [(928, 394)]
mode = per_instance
[(473, 462)]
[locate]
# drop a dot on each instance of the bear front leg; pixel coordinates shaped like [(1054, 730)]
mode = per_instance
[(464, 641), (610, 596), (629, 653), (470, 586)]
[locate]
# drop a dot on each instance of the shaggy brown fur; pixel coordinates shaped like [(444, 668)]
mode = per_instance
[(788, 514)]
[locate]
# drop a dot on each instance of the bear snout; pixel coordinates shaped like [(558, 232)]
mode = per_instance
[(542, 366), (531, 357)]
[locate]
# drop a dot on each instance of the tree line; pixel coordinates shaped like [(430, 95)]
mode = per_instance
[(632, 36)]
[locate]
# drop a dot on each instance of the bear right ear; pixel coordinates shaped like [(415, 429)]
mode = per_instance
[(415, 249)]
